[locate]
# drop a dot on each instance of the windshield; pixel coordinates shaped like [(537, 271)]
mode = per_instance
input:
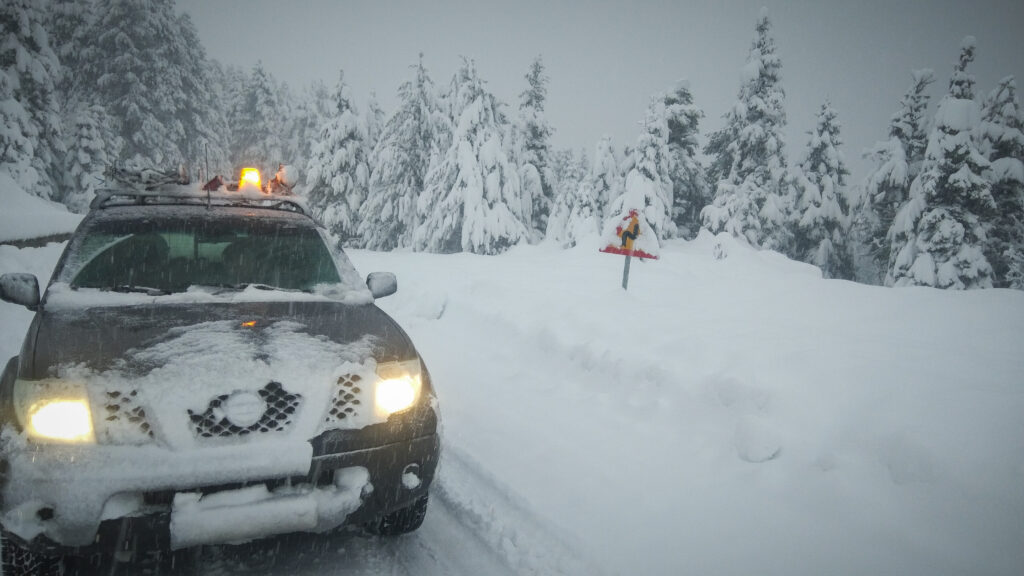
[(172, 253)]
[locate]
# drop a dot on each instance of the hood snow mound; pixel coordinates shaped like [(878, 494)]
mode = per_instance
[(25, 216)]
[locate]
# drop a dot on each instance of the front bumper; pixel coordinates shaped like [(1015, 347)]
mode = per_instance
[(72, 496)]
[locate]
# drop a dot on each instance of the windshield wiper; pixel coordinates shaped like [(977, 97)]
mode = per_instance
[(125, 288), (256, 285)]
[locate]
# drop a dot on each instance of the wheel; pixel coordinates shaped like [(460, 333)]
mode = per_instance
[(401, 521), (18, 561)]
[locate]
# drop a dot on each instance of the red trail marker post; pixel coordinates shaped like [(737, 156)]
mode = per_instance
[(627, 235)]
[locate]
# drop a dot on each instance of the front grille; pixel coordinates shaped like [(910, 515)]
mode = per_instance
[(125, 420), (346, 402), (278, 417)]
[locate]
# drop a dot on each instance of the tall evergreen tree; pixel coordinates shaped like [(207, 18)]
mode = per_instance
[(822, 208), (899, 161), (373, 120), (338, 174), (401, 159), (86, 159), (689, 184), (535, 173), (257, 121), (1002, 143), (472, 199), (31, 125), (605, 175), (648, 188), (751, 202), (144, 64), (571, 175), (941, 231)]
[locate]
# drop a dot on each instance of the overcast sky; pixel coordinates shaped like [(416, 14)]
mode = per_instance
[(605, 59)]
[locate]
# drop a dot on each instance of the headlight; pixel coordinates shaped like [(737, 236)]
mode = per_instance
[(54, 411), (398, 386)]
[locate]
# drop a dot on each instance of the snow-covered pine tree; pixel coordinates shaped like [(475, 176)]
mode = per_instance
[(257, 121), (373, 121), (572, 172), (472, 199), (534, 171), (689, 184), (1002, 142), (648, 188), (940, 233), (751, 201), (605, 175), (86, 159), (822, 208), (338, 174), (584, 222), (144, 65), (17, 137), (898, 162), (68, 22), (32, 124), (309, 112), (407, 143), (202, 116)]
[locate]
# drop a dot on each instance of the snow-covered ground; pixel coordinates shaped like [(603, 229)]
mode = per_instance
[(723, 416), (25, 216)]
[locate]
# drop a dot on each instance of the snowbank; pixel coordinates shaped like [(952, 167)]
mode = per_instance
[(732, 413), (25, 216)]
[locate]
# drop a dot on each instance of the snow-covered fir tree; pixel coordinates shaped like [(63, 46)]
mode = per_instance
[(605, 175), (898, 161), (86, 160), (584, 222), (689, 184), (572, 172), (144, 64), (941, 232), (1002, 143), (407, 143), (822, 208), (472, 199), (751, 201), (201, 115), (30, 114), (68, 23), (648, 188), (310, 112), (535, 133), (338, 173), (373, 122), (257, 124)]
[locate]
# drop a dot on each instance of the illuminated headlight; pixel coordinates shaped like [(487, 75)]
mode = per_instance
[(398, 386), (54, 411)]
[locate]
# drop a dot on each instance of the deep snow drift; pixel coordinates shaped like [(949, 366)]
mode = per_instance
[(724, 416)]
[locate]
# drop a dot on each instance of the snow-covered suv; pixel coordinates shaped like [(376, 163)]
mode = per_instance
[(209, 366)]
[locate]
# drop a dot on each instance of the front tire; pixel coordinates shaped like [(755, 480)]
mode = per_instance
[(401, 521), (17, 561)]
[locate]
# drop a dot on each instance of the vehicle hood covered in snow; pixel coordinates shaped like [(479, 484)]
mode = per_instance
[(136, 340)]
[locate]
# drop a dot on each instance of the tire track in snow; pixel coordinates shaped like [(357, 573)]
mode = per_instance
[(497, 517)]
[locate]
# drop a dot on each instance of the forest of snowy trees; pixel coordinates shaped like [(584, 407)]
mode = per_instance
[(88, 83)]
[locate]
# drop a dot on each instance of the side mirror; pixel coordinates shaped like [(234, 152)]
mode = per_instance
[(382, 284), (20, 289)]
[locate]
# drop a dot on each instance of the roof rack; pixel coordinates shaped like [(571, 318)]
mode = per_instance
[(189, 195)]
